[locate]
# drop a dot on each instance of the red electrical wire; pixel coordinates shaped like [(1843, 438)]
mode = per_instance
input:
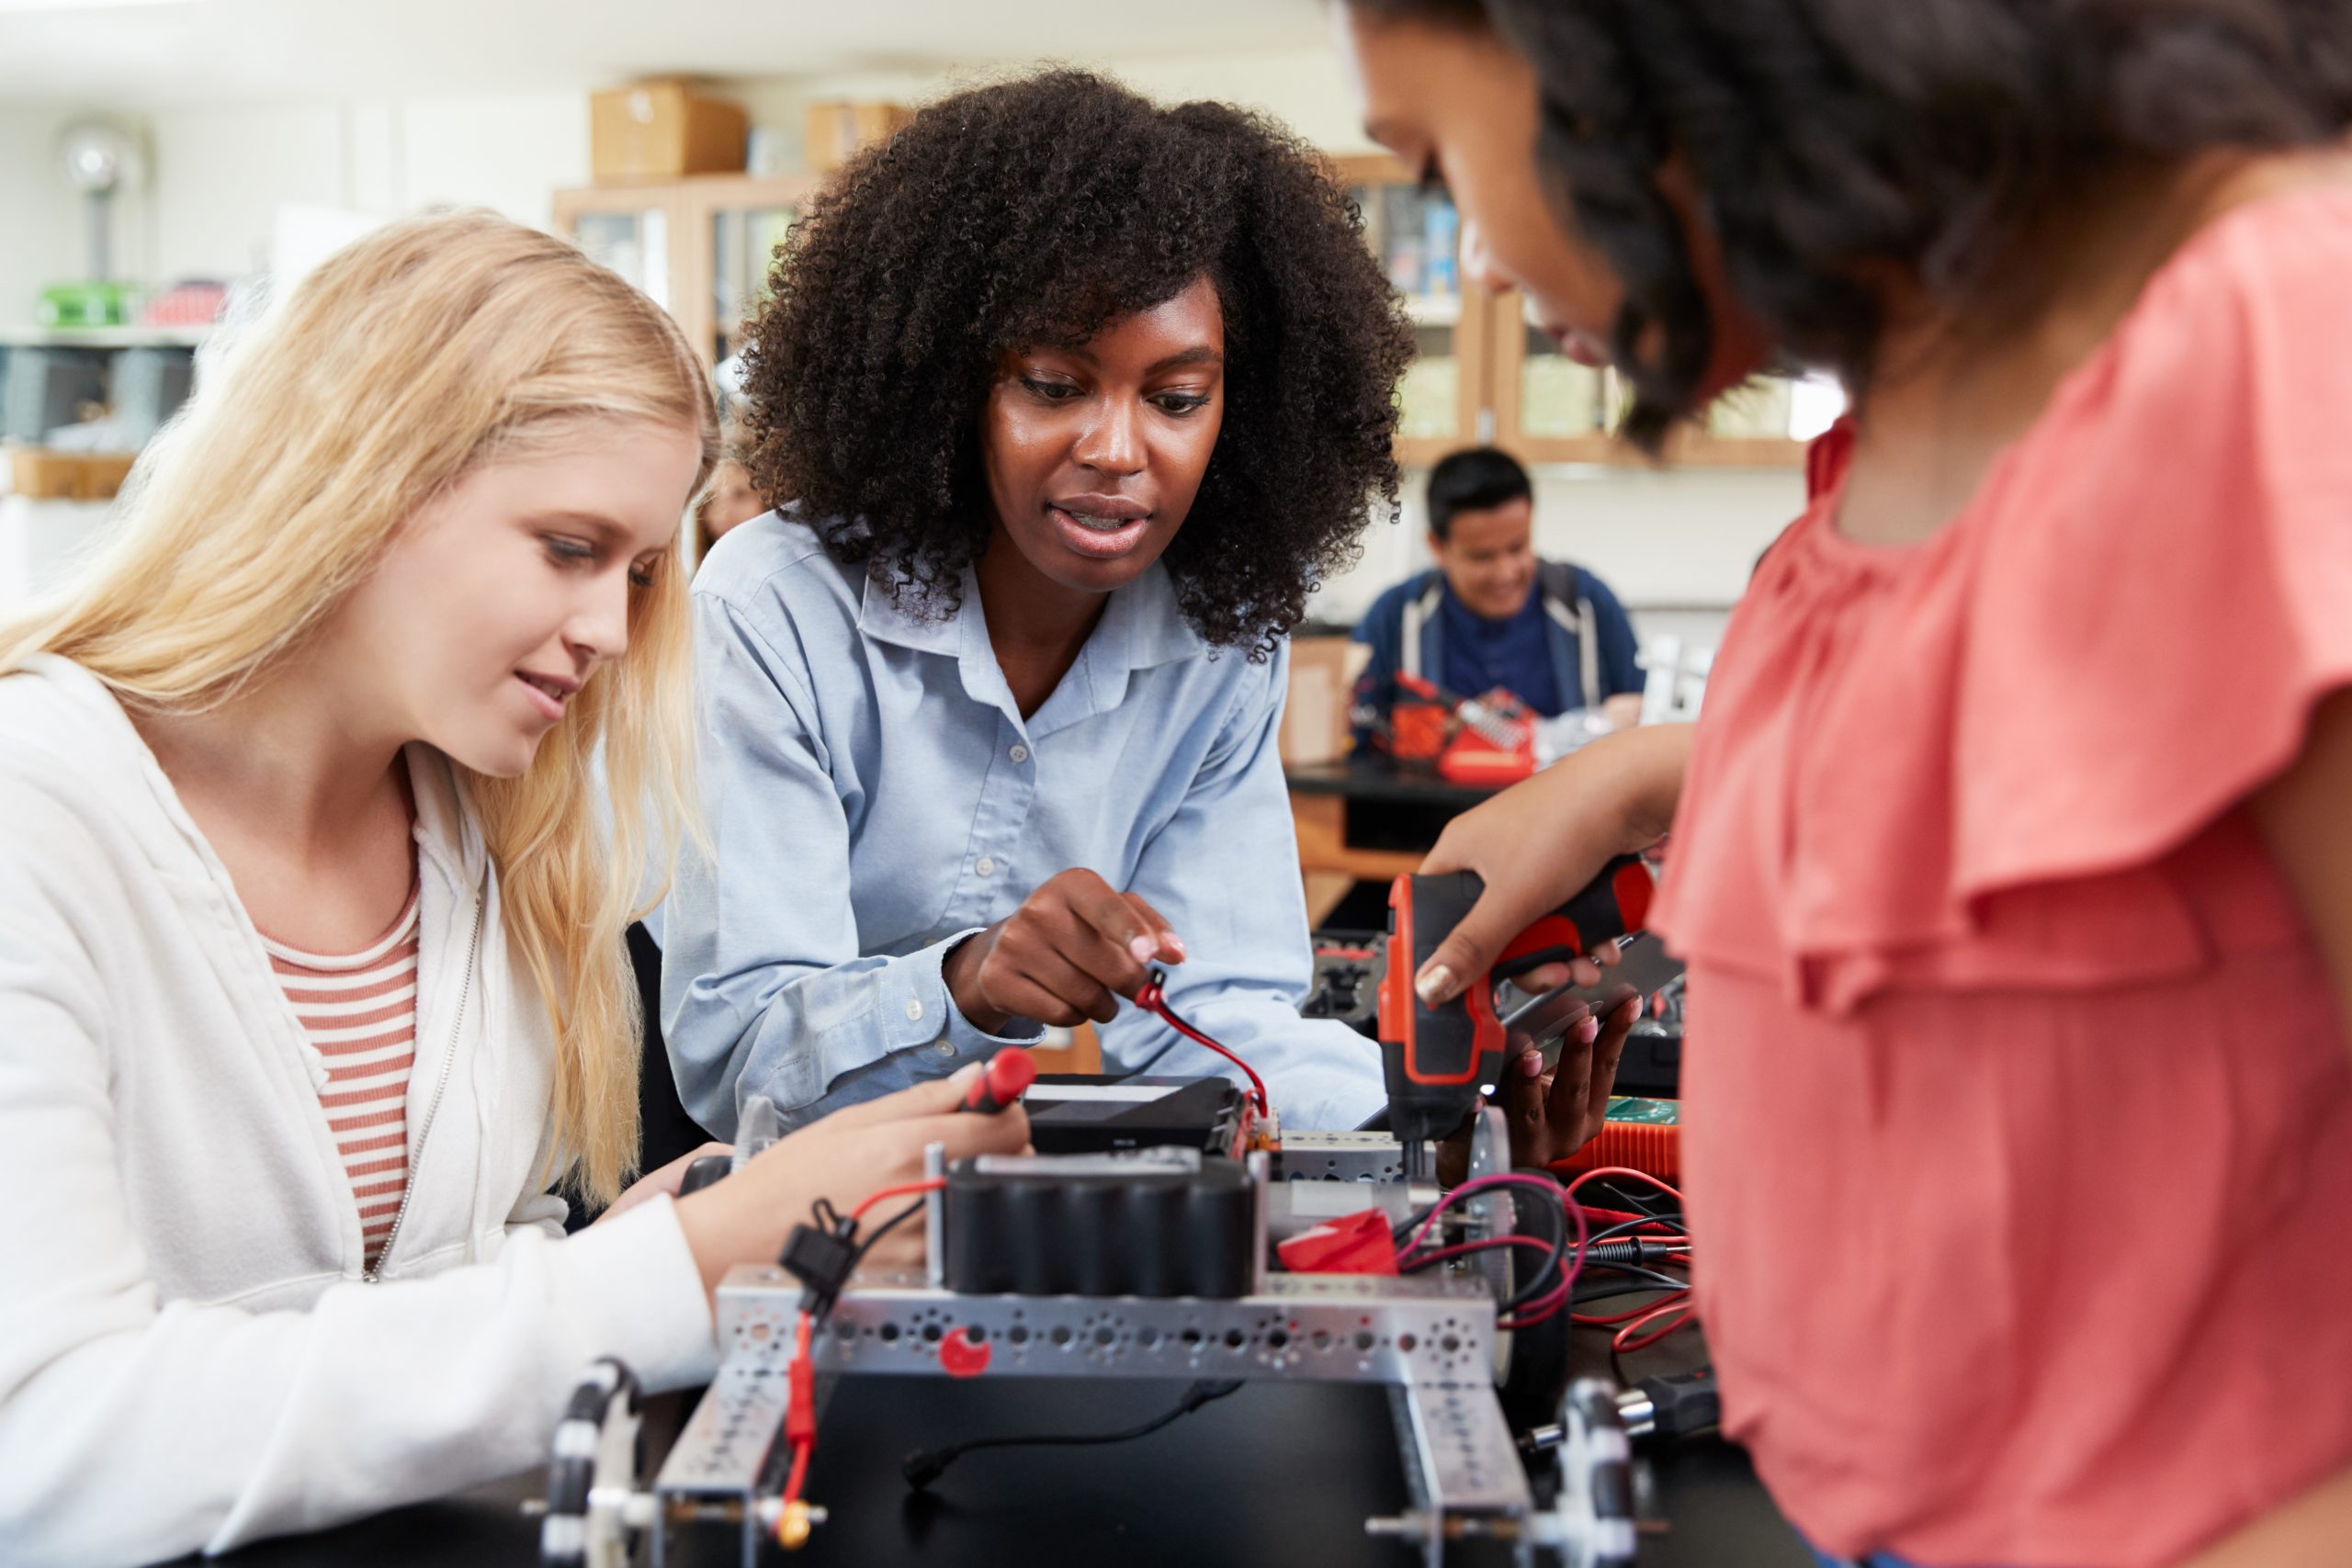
[(1624, 1172), (903, 1190), (1153, 998), (800, 1419), (1677, 1306)]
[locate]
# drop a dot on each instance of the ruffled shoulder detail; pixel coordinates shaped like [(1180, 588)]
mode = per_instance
[(1978, 761)]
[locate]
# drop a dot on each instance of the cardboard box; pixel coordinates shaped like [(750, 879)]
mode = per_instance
[(836, 132), (1323, 671), (663, 128), (39, 474)]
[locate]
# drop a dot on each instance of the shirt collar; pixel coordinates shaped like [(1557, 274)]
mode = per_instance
[(1142, 626), (880, 615)]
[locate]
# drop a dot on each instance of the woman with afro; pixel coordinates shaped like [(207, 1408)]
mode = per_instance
[(1066, 402)]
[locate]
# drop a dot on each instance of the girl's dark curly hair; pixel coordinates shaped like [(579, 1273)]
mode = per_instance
[(1829, 139), (1033, 213)]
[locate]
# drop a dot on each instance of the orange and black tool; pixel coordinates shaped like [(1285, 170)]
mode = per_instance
[(1437, 1058), (1004, 1081)]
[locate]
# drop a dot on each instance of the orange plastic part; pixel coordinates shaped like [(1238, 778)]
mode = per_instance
[(1653, 1148)]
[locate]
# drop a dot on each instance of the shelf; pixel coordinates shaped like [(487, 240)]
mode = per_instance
[(103, 337)]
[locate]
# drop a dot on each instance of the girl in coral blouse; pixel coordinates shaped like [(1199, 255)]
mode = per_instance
[(2018, 903)]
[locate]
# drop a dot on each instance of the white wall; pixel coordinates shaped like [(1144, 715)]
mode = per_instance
[(41, 216), (221, 173)]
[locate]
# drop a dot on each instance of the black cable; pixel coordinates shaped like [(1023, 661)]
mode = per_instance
[(1667, 1281), (1630, 1227), (884, 1228), (924, 1465), (1557, 1216)]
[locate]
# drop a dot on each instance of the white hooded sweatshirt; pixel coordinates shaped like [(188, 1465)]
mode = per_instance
[(189, 1355)]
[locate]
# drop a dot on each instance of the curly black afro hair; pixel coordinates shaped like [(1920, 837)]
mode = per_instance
[(1033, 213)]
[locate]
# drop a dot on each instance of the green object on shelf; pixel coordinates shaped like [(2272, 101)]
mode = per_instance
[(86, 305), (1657, 1112)]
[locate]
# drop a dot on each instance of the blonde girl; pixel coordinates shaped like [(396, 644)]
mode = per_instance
[(312, 985)]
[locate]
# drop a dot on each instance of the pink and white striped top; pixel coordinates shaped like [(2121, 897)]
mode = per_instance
[(361, 1012)]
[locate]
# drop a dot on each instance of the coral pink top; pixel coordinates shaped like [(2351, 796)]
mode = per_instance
[(2019, 1117)]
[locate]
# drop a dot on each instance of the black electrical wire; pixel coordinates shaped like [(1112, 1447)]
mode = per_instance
[(1557, 1216), (1665, 1282), (924, 1466), (1630, 1227), (884, 1228)]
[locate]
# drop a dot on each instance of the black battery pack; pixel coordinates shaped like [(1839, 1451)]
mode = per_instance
[(1073, 1113), (1162, 1222)]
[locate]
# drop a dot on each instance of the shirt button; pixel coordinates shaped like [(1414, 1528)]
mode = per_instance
[(1018, 753), (984, 867), (914, 1009), (945, 1048)]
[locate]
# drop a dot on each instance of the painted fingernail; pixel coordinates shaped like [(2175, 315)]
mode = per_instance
[(1632, 1010), (1145, 949), (1174, 942), (1588, 1031), (1531, 1063), (1435, 984)]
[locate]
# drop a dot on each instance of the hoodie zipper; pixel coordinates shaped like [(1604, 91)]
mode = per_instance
[(448, 1059)]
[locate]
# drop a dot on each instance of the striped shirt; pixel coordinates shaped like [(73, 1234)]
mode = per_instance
[(360, 1011)]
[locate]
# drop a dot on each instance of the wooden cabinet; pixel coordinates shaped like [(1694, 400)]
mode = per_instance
[(701, 247), (1488, 374)]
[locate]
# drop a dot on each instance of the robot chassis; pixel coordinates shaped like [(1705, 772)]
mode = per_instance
[(1430, 1338)]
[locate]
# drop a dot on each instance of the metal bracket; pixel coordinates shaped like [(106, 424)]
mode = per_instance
[(1340, 1156)]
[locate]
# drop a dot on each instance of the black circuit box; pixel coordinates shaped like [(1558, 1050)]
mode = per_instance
[(1162, 1222), (1075, 1113)]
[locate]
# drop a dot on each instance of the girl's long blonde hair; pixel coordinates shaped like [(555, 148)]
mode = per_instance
[(426, 349)]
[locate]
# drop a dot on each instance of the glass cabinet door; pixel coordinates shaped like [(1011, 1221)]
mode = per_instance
[(743, 244), (634, 241), (1416, 234), (735, 225)]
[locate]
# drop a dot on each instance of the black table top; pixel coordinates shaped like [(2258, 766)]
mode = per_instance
[(1375, 776), (1279, 1473)]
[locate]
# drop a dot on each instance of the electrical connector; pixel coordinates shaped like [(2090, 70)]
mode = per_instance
[(821, 1261)]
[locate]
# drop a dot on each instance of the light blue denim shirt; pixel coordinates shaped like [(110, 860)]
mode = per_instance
[(874, 795)]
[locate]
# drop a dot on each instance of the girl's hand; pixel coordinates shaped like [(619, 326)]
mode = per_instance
[(1073, 948), (862, 1149), (1554, 1113), (1537, 842)]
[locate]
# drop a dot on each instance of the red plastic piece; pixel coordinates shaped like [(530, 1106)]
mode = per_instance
[(1005, 1080), (964, 1354), (1359, 1244), (800, 1411), (1480, 765)]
